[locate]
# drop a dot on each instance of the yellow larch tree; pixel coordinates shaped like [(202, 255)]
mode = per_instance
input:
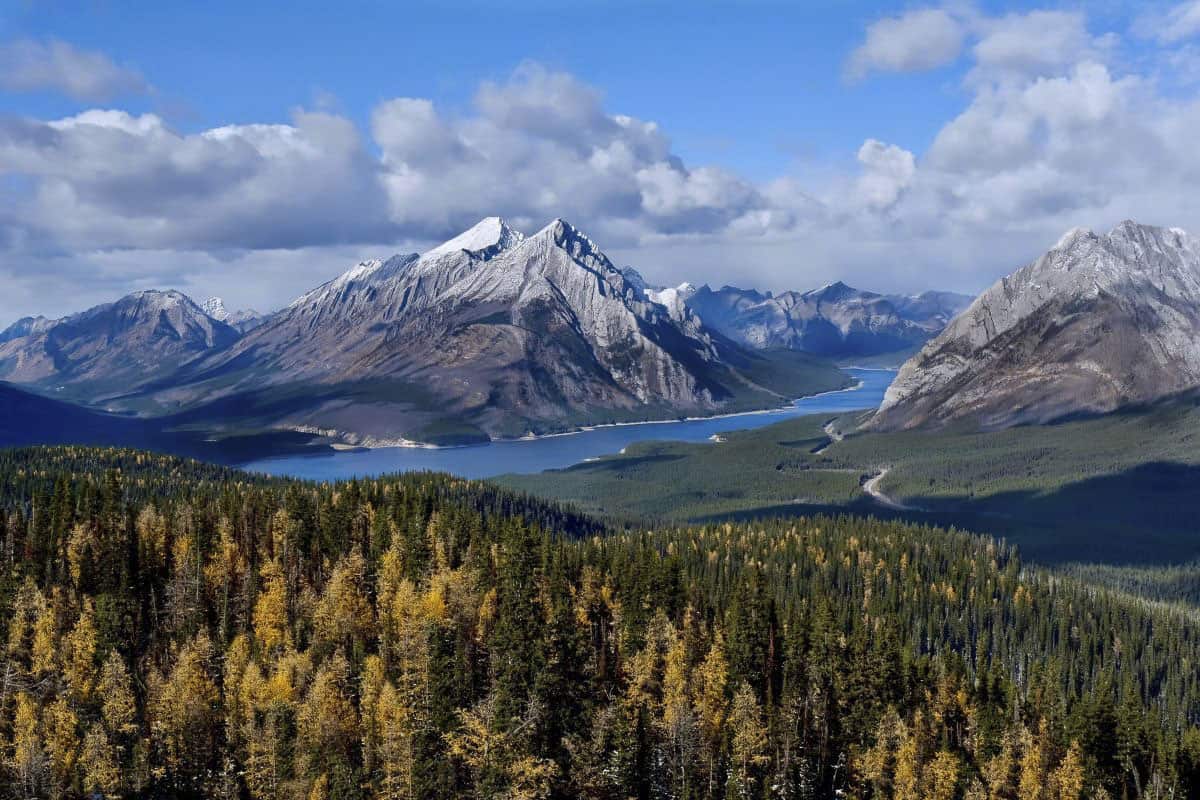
[(27, 759), (271, 629), (79, 661), (748, 740), (1067, 779), (60, 730), (941, 776)]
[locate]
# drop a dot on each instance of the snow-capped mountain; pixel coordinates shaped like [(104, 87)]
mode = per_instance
[(243, 320), (1098, 322), (112, 348), (506, 332), (835, 321)]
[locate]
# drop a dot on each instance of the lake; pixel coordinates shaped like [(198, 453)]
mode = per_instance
[(555, 452)]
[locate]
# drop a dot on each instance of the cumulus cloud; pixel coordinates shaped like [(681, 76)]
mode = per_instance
[(541, 145), (1019, 46), (919, 40), (1055, 130), (27, 65), (887, 171), (108, 179)]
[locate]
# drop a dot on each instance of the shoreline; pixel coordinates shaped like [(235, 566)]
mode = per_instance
[(378, 444)]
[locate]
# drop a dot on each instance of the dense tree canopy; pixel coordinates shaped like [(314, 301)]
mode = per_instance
[(177, 630)]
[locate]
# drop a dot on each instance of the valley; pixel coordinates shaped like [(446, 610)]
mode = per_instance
[(534, 454), (1115, 488)]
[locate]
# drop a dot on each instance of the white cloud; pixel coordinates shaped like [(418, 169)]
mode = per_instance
[(108, 179), (1055, 130), (887, 171), (541, 145), (1032, 44), (27, 65), (1180, 22), (919, 40)]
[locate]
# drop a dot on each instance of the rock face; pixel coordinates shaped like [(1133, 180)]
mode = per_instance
[(507, 333), (113, 348), (1096, 323), (835, 321)]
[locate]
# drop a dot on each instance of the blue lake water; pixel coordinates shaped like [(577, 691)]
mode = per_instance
[(555, 452)]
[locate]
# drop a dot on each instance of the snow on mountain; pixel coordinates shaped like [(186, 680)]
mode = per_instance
[(113, 347), (1098, 322), (835, 320), (215, 308), (506, 331), (674, 299), (242, 320), (490, 233)]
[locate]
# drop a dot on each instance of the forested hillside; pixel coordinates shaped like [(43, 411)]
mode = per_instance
[(177, 630), (1116, 488)]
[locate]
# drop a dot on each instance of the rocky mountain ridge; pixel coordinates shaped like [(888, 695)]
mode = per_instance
[(1096, 323), (112, 348), (492, 332), (837, 320)]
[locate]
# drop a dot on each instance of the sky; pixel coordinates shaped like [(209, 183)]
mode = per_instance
[(254, 153)]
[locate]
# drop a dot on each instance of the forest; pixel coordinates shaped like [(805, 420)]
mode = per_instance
[(172, 629)]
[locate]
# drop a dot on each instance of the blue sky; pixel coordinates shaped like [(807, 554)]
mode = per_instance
[(752, 85), (792, 143)]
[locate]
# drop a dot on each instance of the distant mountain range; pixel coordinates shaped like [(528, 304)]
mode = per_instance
[(489, 334), (836, 321), (495, 334), (1097, 323)]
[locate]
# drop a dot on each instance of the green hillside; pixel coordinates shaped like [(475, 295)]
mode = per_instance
[(1117, 488)]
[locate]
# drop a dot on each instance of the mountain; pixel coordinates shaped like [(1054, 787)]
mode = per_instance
[(674, 299), (489, 334), (26, 326), (242, 320), (1098, 322), (112, 348), (836, 320)]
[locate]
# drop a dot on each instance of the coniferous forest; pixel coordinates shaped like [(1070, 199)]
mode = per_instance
[(172, 629)]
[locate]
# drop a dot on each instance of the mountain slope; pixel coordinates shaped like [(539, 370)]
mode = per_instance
[(1096, 323), (27, 418), (494, 332), (836, 320), (112, 348)]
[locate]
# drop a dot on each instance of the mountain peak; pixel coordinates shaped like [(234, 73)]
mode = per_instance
[(490, 234), (25, 327), (1072, 236), (565, 236), (215, 308), (561, 232), (1095, 323), (1152, 235), (1129, 227), (158, 299), (832, 292)]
